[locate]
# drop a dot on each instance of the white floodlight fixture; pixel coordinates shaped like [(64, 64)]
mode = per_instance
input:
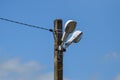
[(70, 26), (76, 37)]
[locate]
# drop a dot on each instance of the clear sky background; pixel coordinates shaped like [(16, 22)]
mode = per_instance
[(27, 53)]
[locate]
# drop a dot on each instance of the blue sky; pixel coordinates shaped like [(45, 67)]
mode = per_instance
[(27, 53)]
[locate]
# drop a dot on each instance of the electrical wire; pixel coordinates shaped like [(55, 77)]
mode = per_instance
[(29, 25)]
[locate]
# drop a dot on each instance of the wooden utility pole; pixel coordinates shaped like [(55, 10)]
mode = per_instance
[(58, 54)]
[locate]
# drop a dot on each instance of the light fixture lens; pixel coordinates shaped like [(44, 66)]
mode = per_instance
[(76, 37), (70, 26)]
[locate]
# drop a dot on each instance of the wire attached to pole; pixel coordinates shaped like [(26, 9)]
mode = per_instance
[(51, 30)]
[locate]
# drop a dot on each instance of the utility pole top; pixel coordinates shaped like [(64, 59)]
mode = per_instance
[(58, 55)]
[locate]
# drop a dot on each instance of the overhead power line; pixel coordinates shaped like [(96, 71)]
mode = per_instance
[(29, 25)]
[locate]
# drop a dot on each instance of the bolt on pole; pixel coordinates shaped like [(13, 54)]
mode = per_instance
[(58, 54)]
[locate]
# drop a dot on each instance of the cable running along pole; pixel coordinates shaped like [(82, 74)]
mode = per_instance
[(26, 24)]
